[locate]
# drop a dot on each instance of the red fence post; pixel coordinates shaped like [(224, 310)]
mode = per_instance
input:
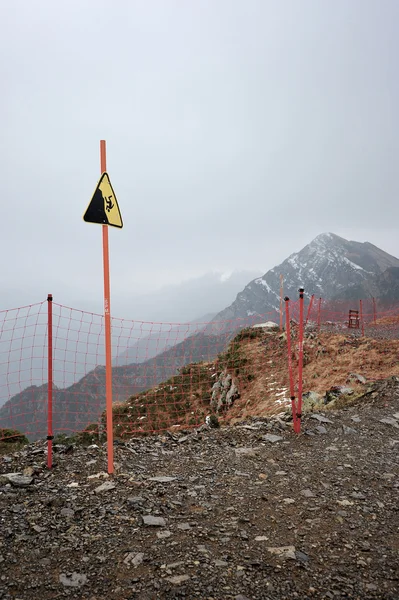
[(300, 360), (361, 316), (374, 311), (319, 314), (50, 436), (309, 308), (291, 376)]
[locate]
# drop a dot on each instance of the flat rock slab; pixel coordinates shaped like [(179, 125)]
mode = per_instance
[(162, 479), (301, 556), (154, 521), (105, 487), (132, 500), (390, 421), (162, 535), (320, 418), (134, 559), (73, 580), (283, 551), (321, 429), (307, 493), (221, 563), (269, 437), (348, 430), (246, 451), (178, 579)]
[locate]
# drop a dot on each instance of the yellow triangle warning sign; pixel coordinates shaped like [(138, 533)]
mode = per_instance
[(103, 207)]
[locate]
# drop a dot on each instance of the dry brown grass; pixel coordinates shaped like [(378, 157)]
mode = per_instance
[(329, 361)]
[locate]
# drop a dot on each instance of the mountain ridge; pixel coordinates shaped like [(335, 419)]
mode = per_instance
[(329, 267)]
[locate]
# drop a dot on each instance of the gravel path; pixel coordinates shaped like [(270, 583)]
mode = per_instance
[(251, 511)]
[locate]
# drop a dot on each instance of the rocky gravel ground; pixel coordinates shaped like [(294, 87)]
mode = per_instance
[(245, 512)]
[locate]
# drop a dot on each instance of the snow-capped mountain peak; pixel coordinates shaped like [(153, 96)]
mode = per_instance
[(329, 267)]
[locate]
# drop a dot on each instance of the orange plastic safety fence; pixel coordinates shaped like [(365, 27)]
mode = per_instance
[(164, 374)]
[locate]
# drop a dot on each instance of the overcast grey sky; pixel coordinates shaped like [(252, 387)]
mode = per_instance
[(236, 131)]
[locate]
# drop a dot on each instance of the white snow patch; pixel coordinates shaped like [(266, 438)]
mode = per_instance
[(282, 401), (261, 281), (352, 264), (293, 261), (267, 325)]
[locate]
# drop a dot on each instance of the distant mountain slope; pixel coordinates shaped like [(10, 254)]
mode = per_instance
[(161, 337), (82, 403), (384, 286), (329, 267)]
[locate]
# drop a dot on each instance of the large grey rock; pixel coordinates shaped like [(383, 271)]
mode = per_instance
[(224, 392), (162, 479), (226, 382), (16, 479), (232, 395)]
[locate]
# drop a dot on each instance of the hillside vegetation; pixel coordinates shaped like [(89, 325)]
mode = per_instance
[(254, 370)]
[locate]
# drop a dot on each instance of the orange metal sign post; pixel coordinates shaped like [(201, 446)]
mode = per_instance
[(103, 209), (107, 322)]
